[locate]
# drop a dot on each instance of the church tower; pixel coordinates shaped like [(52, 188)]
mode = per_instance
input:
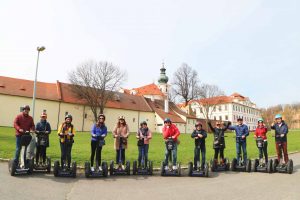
[(163, 86)]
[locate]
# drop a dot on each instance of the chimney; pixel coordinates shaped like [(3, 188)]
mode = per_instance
[(166, 105)]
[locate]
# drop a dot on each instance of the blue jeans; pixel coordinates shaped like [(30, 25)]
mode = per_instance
[(197, 156), (241, 146), (144, 148), (174, 155), (18, 149)]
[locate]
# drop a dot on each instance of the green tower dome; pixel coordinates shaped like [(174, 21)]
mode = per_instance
[(163, 78)]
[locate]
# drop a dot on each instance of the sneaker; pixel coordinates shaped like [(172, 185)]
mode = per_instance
[(123, 167), (174, 167), (92, 169), (166, 168), (100, 168)]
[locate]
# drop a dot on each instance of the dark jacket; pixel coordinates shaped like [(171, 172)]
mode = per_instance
[(283, 129), (219, 140), (240, 130), (199, 141), (43, 126)]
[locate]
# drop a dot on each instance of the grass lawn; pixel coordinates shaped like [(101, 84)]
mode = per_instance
[(81, 147)]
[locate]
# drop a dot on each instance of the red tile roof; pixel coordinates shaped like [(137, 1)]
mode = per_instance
[(151, 89)]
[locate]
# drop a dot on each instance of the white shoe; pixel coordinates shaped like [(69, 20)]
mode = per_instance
[(92, 169), (100, 168), (166, 168), (174, 167), (123, 167)]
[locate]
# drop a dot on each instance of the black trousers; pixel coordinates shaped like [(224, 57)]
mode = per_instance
[(217, 151), (264, 151), (66, 150), (40, 153), (95, 148), (122, 154)]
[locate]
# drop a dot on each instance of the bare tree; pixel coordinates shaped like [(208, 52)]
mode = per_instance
[(211, 96), (95, 82), (186, 83)]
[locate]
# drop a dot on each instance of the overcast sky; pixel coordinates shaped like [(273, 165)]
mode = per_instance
[(251, 47)]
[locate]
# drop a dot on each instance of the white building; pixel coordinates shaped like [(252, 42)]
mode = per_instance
[(227, 108)]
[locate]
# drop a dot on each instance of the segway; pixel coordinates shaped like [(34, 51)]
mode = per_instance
[(279, 166), (216, 166), (241, 166), (259, 165), (14, 167), (119, 170), (40, 167), (170, 143), (143, 169), (97, 173), (62, 170), (199, 171)]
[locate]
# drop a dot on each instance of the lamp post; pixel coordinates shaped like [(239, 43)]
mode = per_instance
[(39, 49)]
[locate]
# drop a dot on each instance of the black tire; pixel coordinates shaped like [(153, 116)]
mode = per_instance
[(275, 165), (162, 169), (87, 169), (105, 169), (74, 169), (254, 165), (49, 165), (227, 164), (31, 164), (233, 164), (111, 168), (150, 168), (12, 166), (248, 165), (213, 165), (290, 166), (128, 167), (206, 167), (269, 166), (190, 168), (179, 169), (134, 167), (56, 168)]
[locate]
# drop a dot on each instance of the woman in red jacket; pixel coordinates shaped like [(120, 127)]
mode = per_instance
[(261, 131)]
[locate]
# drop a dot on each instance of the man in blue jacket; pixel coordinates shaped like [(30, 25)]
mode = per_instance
[(241, 131)]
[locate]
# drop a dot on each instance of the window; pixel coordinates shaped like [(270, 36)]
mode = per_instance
[(215, 118), (226, 117), (220, 108), (226, 107), (85, 115), (201, 110), (220, 118), (133, 120), (66, 113)]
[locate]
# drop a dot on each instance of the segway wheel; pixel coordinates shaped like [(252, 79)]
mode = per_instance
[(233, 164), (213, 165), (12, 166), (248, 165), (206, 170), (269, 166), (227, 164), (111, 168), (134, 167), (162, 169), (128, 167), (179, 169), (290, 167), (105, 169), (190, 168), (74, 169), (49, 165), (56, 168), (150, 165), (275, 165), (255, 165), (30, 163), (87, 169)]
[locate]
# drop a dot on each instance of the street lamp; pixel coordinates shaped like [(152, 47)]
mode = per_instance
[(39, 49)]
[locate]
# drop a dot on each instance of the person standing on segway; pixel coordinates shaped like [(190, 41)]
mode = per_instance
[(22, 123), (219, 140), (98, 132), (143, 135), (66, 132), (170, 131), (261, 131), (281, 131), (42, 129), (121, 133), (199, 135), (241, 131)]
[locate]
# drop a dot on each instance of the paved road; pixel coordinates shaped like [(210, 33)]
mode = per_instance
[(227, 185)]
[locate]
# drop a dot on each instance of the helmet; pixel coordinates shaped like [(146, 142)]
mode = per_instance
[(167, 120), (101, 115), (144, 123), (68, 116), (278, 116), (121, 117), (260, 120), (198, 124), (240, 119), (26, 107), (44, 114)]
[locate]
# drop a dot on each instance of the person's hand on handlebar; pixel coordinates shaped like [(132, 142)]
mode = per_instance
[(243, 137), (200, 135), (281, 135), (94, 135), (21, 130)]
